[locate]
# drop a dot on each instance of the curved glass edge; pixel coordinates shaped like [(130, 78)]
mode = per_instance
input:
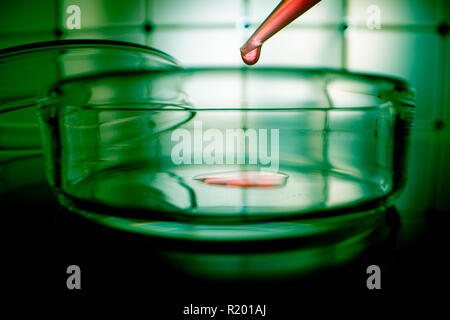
[(24, 134), (30, 100), (80, 43), (336, 226), (175, 215), (392, 90)]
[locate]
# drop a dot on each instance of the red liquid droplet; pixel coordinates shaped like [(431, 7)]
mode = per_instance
[(251, 57), (245, 179), (286, 12)]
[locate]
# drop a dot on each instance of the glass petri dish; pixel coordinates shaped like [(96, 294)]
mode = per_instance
[(227, 154), (29, 70)]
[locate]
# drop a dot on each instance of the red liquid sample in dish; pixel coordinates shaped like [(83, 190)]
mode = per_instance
[(286, 12), (245, 179)]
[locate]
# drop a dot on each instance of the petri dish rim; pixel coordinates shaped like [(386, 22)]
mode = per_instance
[(23, 51), (79, 43), (401, 93), (27, 101)]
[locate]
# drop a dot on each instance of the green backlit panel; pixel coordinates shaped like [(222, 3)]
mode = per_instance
[(395, 53), (401, 12), (288, 48), (28, 17), (200, 12), (189, 45), (105, 13), (134, 34)]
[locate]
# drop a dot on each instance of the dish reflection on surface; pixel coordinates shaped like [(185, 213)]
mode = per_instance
[(252, 251), (313, 256), (306, 228), (327, 244)]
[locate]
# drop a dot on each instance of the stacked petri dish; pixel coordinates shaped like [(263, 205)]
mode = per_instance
[(228, 154)]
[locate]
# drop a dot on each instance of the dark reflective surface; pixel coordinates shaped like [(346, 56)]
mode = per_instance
[(43, 239)]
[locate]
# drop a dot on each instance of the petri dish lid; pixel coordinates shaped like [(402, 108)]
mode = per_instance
[(27, 71)]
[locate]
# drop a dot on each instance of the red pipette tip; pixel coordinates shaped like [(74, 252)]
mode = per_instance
[(286, 12), (251, 57)]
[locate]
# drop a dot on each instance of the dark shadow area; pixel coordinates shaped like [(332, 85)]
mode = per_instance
[(44, 239)]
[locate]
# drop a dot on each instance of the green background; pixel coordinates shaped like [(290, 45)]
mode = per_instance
[(412, 43)]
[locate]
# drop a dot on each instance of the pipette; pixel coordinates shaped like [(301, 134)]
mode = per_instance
[(286, 12)]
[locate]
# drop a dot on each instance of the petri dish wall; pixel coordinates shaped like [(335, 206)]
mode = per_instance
[(207, 149), (29, 70)]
